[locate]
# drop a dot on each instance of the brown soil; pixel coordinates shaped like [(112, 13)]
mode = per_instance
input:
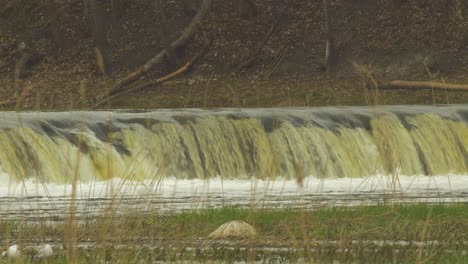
[(396, 39)]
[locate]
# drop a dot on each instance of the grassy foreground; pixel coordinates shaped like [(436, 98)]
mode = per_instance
[(418, 233)]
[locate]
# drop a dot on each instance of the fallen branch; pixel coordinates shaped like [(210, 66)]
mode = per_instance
[(158, 81), (398, 84), (181, 42)]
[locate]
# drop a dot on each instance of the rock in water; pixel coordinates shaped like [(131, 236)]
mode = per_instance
[(235, 230), (12, 252), (44, 252)]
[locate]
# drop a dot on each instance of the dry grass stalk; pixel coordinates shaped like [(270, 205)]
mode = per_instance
[(370, 82)]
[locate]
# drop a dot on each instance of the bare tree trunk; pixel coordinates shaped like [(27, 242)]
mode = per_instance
[(329, 49), (179, 43), (194, 25), (98, 24)]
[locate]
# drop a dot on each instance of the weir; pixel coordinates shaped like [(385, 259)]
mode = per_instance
[(292, 143)]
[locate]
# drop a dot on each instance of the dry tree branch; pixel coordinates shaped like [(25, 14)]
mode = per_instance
[(179, 43), (158, 81)]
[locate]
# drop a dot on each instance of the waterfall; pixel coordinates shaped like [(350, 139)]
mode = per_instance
[(325, 142)]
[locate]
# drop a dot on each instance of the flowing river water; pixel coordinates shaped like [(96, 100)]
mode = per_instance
[(186, 159)]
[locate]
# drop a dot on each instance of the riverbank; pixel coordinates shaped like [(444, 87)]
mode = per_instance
[(273, 57), (384, 233)]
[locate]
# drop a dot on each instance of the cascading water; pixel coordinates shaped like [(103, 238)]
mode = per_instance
[(181, 159), (328, 142)]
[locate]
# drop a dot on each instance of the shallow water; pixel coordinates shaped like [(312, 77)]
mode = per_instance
[(32, 201)]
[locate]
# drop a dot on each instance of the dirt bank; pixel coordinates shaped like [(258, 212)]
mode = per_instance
[(409, 40)]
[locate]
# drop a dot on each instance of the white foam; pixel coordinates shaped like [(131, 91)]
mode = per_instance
[(32, 200), (217, 186)]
